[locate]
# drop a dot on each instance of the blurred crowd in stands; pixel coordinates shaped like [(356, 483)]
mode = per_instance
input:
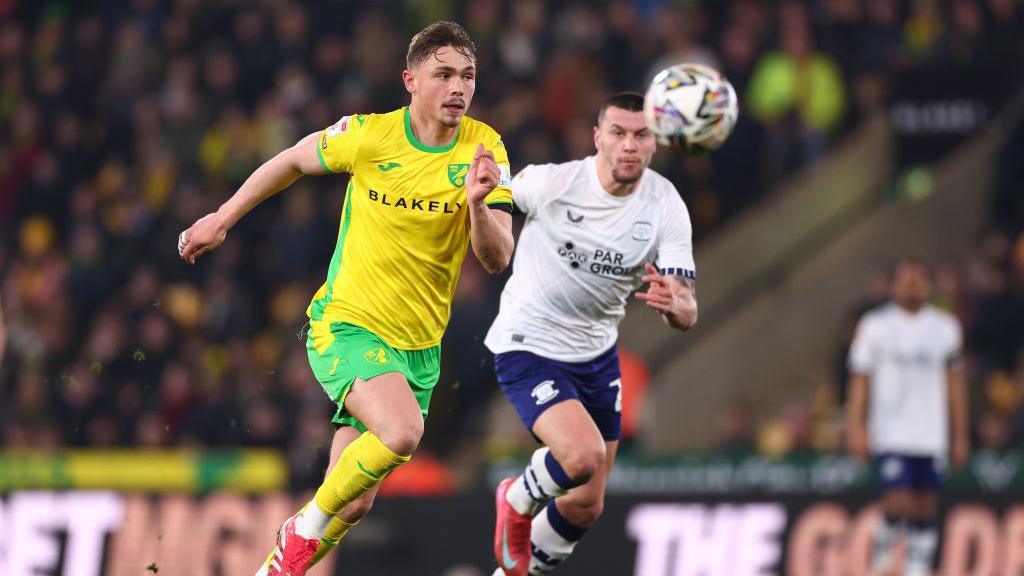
[(127, 120)]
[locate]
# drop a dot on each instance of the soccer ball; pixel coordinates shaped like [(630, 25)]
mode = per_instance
[(691, 107)]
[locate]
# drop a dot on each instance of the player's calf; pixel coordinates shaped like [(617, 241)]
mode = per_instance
[(518, 500), (580, 508), (553, 536), (922, 540), (545, 479), (342, 523), (361, 467), (887, 534), (355, 510), (892, 526), (923, 530), (394, 423), (336, 530), (557, 529)]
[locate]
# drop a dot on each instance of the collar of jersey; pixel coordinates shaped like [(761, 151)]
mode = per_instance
[(421, 146)]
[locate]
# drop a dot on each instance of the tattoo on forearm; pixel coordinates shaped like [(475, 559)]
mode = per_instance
[(687, 282)]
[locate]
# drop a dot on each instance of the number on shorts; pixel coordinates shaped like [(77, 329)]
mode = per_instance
[(617, 384)]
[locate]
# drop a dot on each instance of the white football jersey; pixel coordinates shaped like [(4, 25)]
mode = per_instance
[(581, 254), (906, 357)]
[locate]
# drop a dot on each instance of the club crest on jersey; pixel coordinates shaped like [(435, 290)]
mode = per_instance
[(377, 356), (642, 231), (457, 174), (544, 392)]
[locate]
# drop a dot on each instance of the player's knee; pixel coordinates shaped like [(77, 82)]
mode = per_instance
[(925, 508), (892, 510), (402, 436), (581, 464), (898, 504)]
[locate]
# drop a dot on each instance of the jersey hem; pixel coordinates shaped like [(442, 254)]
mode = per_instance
[(916, 452), (388, 341), (547, 353)]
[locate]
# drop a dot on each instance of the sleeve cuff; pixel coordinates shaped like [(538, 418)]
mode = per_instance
[(320, 153), (691, 274), (503, 205)]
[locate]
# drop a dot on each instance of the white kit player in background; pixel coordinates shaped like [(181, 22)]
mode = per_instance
[(907, 409), (596, 230)]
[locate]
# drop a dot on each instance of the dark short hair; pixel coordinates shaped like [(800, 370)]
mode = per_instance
[(436, 36), (629, 101)]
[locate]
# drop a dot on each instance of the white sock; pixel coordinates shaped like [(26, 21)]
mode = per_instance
[(312, 522), (887, 534), (549, 546), (922, 540), (537, 485)]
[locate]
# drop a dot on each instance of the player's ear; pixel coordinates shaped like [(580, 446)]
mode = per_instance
[(409, 79), (597, 137)]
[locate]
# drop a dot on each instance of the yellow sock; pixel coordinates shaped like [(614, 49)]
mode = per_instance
[(362, 465), (335, 532)]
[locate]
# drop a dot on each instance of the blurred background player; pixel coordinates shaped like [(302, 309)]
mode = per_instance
[(907, 409), (425, 180), (593, 228)]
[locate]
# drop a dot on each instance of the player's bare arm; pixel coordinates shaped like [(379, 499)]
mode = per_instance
[(856, 413), (674, 296), (273, 176), (490, 229), (960, 441)]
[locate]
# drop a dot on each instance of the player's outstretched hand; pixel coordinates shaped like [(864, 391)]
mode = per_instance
[(483, 175), (206, 234), (661, 295)]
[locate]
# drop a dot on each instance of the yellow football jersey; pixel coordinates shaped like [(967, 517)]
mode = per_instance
[(404, 227)]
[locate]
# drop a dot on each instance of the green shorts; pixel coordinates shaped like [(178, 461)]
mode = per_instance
[(340, 352)]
